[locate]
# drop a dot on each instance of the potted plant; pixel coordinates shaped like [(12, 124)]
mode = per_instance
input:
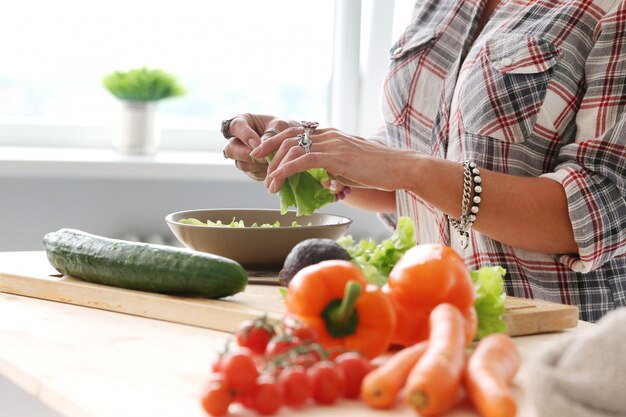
[(139, 90)]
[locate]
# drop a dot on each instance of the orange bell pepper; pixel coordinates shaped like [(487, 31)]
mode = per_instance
[(333, 298), (426, 276)]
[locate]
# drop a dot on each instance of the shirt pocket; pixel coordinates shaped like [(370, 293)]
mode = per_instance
[(505, 88), (406, 79)]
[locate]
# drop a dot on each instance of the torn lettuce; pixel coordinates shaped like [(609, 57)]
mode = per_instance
[(377, 260), (489, 284), (236, 223), (305, 192)]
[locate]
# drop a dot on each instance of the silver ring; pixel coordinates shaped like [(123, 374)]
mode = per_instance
[(309, 126), (305, 142), (271, 130), (225, 129)]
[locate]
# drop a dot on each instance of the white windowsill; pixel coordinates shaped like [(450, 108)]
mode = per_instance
[(34, 162)]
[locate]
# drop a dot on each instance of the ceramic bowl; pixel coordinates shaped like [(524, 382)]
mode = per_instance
[(255, 248)]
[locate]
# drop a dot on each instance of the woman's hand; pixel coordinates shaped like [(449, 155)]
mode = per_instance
[(349, 159), (248, 132)]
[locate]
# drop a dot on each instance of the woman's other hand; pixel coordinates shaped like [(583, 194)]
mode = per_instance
[(248, 131)]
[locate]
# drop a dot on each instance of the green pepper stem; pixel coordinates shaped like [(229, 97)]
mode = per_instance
[(345, 311)]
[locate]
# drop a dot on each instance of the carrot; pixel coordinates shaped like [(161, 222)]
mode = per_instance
[(488, 375), (433, 383), (381, 386)]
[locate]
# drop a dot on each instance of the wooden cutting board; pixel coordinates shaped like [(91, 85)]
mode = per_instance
[(30, 274)]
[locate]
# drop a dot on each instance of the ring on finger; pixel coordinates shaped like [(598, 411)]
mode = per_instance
[(305, 141), (309, 127), (271, 130), (225, 128)]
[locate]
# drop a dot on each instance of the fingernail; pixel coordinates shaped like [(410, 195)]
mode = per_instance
[(254, 142), (255, 152)]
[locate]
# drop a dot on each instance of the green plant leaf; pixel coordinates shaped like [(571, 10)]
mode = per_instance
[(142, 84)]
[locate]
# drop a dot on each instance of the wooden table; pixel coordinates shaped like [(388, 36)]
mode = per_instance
[(84, 362)]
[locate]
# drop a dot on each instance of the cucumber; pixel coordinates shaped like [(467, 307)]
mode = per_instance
[(143, 266)]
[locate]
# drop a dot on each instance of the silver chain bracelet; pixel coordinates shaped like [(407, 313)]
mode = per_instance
[(471, 182)]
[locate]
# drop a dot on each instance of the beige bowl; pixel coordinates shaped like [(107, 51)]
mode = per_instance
[(261, 248)]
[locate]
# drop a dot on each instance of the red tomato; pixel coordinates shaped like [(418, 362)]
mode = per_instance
[(245, 398), (255, 334), (329, 382), (296, 386), (355, 366), (267, 398), (216, 397), (299, 329), (306, 359), (239, 369), (281, 344)]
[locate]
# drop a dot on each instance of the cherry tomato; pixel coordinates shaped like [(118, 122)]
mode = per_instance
[(239, 370), (299, 329), (216, 398), (307, 359), (329, 382), (245, 398), (267, 397), (355, 366), (281, 344), (255, 334), (296, 386)]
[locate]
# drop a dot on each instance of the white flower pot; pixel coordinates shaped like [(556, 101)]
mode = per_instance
[(137, 132)]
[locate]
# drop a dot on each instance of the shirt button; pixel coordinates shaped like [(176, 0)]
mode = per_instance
[(505, 62), (397, 51)]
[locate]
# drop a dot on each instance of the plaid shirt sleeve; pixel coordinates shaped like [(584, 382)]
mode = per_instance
[(592, 170)]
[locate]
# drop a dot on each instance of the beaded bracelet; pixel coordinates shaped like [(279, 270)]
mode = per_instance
[(471, 182)]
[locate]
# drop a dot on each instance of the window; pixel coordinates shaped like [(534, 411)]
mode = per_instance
[(274, 56), (270, 56)]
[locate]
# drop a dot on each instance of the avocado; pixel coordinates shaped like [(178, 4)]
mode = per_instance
[(309, 252)]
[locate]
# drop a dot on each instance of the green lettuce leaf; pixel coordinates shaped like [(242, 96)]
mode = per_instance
[(489, 285), (236, 223), (305, 191), (377, 260)]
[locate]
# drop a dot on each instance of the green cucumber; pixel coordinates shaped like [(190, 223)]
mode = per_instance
[(143, 266)]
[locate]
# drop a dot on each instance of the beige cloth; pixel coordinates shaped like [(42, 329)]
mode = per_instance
[(583, 375)]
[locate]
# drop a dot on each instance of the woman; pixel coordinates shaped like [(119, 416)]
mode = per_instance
[(531, 92)]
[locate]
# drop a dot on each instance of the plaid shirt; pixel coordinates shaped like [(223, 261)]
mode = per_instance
[(540, 92)]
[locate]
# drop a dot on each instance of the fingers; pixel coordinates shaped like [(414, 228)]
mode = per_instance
[(288, 149), (254, 168), (274, 127), (237, 150), (240, 128), (289, 167), (255, 171), (272, 143)]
